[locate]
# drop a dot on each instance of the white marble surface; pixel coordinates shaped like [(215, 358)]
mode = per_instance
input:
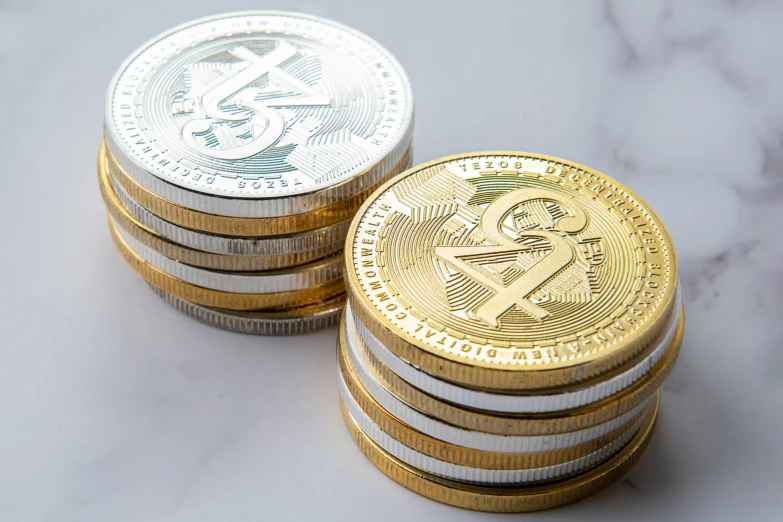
[(116, 408)]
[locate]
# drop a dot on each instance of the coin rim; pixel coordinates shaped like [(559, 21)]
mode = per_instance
[(504, 499), (294, 321), (219, 299), (497, 476), (302, 277), (501, 376), (203, 258), (540, 424), (580, 396), (478, 439), (454, 453)]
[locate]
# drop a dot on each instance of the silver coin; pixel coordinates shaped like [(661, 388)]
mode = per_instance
[(480, 475), (362, 338), (274, 113), (294, 322), (308, 246), (268, 282), (440, 430)]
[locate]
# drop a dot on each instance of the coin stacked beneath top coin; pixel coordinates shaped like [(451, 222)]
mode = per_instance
[(510, 320), (237, 149)]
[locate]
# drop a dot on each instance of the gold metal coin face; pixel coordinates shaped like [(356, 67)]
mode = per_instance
[(511, 261)]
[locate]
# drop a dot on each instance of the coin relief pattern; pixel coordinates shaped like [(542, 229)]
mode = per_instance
[(259, 106), (512, 260)]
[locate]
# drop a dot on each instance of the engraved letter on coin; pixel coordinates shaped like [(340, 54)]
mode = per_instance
[(226, 106), (498, 221)]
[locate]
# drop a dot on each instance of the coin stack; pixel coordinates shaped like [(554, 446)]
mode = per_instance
[(236, 151), (510, 320)]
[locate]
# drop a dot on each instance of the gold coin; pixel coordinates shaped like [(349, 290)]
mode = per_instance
[(529, 424), (220, 299), (459, 454), (510, 271), (504, 499), (239, 226)]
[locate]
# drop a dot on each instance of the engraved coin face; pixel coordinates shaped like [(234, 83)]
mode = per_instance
[(258, 105), (511, 261)]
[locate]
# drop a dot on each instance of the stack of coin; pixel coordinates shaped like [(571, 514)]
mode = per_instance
[(237, 149), (510, 320)]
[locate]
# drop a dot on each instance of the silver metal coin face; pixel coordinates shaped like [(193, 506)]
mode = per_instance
[(257, 105)]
